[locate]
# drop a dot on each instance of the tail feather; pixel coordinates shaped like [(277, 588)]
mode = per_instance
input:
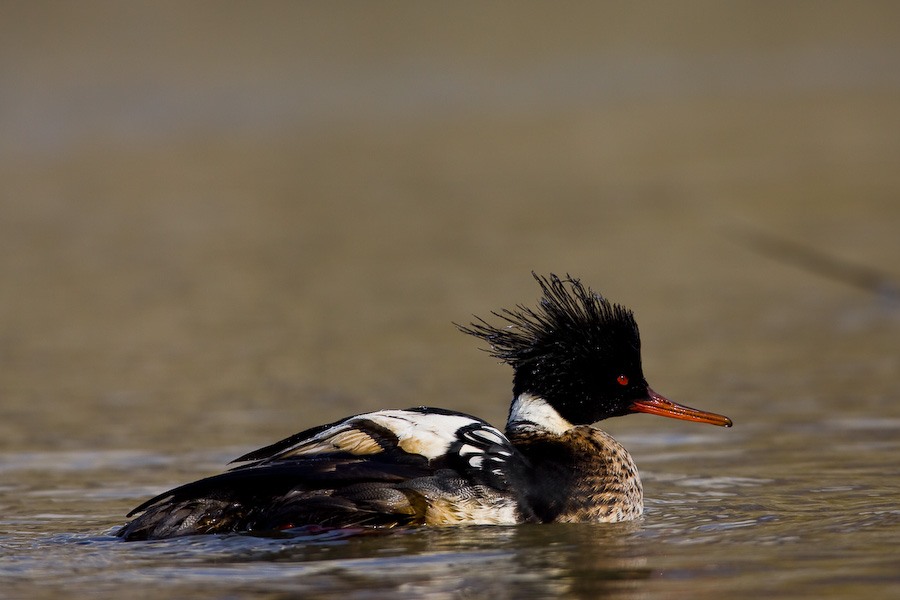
[(185, 517)]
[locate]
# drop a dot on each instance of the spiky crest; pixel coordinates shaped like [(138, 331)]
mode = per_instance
[(575, 314), (569, 349)]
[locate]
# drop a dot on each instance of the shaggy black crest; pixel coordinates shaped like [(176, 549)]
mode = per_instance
[(570, 349)]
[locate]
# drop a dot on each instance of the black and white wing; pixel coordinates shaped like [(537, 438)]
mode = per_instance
[(372, 469), (431, 433)]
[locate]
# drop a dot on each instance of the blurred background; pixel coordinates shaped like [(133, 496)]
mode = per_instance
[(223, 222)]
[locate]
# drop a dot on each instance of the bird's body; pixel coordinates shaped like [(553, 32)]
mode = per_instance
[(576, 360)]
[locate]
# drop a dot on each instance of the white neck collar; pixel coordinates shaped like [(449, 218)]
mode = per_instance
[(532, 411)]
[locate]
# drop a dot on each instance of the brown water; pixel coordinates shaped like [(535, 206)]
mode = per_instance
[(221, 225)]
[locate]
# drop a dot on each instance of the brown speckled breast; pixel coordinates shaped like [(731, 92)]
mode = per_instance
[(581, 475)]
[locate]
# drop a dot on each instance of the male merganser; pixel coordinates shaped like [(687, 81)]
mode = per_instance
[(576, 360)]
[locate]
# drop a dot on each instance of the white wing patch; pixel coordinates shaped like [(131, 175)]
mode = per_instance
[(474, 456), (487, 450), (467, 449), (429, 435), (488, 436), (476, 461), (422, 433)]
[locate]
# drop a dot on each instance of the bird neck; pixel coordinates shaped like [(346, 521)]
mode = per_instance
[(530, 412)]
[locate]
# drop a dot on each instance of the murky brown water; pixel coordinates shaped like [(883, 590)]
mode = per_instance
[(220, 226)]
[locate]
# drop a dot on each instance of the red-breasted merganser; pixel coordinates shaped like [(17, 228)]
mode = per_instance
[(576, 360)]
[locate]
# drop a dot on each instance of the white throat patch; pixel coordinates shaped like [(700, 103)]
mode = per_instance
[(528, 410)]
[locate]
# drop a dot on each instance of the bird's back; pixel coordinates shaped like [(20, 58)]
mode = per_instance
[(388, 468)]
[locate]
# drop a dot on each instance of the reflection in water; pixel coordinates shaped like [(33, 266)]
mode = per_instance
[(497, 562)]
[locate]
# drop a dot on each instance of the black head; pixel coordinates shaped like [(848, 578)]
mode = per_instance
[(576, 350), (581, 355)]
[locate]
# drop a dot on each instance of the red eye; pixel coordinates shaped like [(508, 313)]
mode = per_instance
[(623, 380)]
